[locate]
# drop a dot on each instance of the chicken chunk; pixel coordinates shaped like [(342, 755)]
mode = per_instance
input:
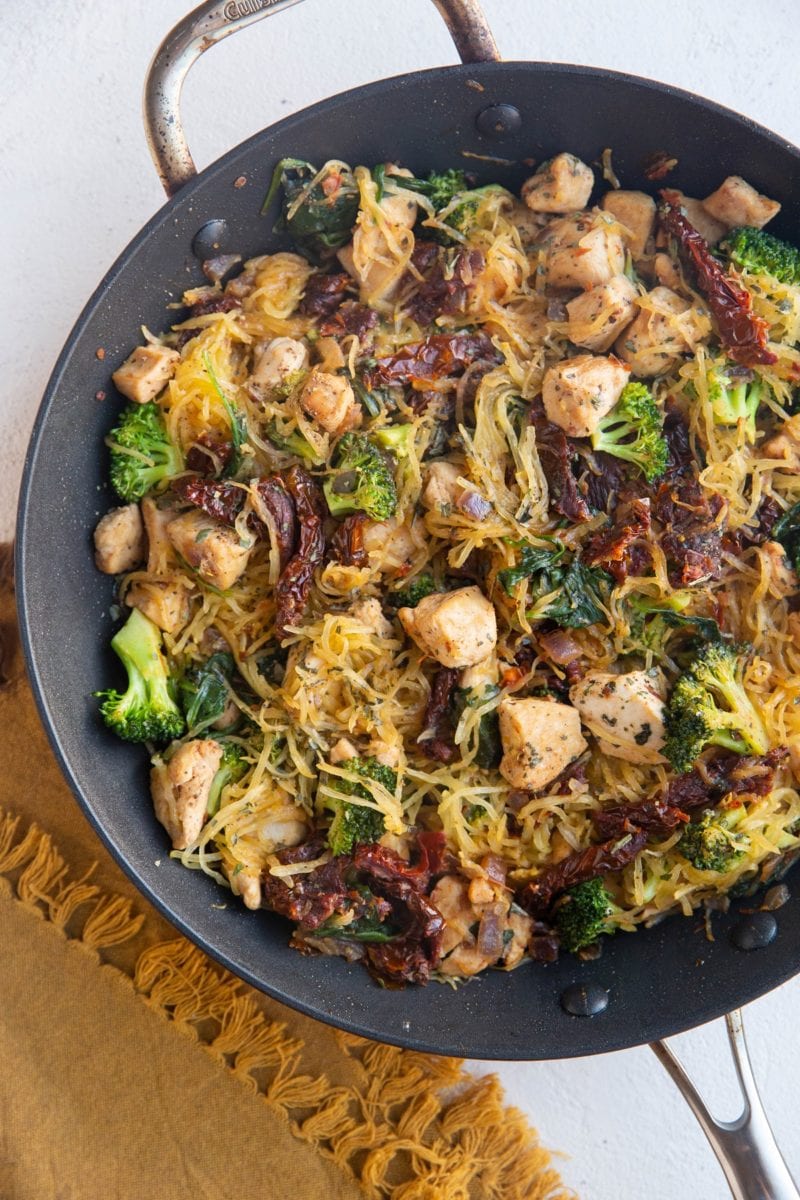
[(540, 739), (775, 564), (279, 359), (330, 401), (119, 540), (562, 185), (597, 317), (785, 446), (458, 628), (180, 789), (370, 258), (483, 674), (637, 212), (665, 327), (210, 547), (624, 712), (392, 543), (370, 613), (342, 751), (164, 601), (736, 202), (160, 551), (583, 250), (442, 488), (577, 392), (665, 271), (697, 215), (146, 372)]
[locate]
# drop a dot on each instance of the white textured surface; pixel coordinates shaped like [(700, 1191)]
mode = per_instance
[(77, 183)]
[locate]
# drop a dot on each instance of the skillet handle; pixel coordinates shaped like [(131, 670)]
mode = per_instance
[(217, 19), (746, 1148)]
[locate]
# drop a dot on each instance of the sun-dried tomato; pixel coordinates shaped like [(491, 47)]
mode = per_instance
[(217, 498), (611, 547), (271, 492), (557, 455), (347, 543), (437, 717), (208, 456), (436, 357), (324, 294), (294, 584), (445, 286), (537, 896), (743, 334), (350, 318)]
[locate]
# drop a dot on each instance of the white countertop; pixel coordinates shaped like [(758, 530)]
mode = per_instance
[(78, 183)]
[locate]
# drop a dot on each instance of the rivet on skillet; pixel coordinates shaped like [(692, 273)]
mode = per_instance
[(755, 931), (498, 121), (210, 238), (584, 999)]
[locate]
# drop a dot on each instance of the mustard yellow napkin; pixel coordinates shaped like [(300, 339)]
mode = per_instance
[(134, 1067)]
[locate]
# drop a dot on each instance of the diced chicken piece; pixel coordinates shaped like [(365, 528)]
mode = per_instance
[(160, 551), (625, 712), (164, 601), (330, 401), (540, 739), (146, 372), (577, 392), (665, 327), (279, 359), (529, 224), (520, 926), (637, 212), (180, 789), (342, 751), (442, 488), (562, 185), (119, 540), (451, 897), (247, 884), (370, 258), (288, 827), (666, 272), (698, 216), (390, 755), (485, 673), (210, 547), (370, 613), (775, 564), (392, 544), (458, 628), (597, 316), (583, 251), (785, 446), (736, 202)]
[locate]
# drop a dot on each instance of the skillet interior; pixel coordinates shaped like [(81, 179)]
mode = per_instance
[(661, 982)]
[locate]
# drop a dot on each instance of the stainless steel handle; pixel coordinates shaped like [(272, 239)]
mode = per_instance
[(212, 22), (746, 1148)]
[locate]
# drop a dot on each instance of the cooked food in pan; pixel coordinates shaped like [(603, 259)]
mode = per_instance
[(457, 552)]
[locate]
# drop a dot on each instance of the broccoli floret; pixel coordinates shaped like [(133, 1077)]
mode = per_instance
[(440, 187), (762, 253), (710, 844), (632, 431), (735, 397), (413, 592), (353, 824), (204, 690), (233, 767), (293, 443), (708, 706), (146, 711), (360, 480), (583, 915), (396, 438), (142, 455), (787, 532)]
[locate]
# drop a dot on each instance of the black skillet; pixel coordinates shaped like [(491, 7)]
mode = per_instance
[(492, 117)]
